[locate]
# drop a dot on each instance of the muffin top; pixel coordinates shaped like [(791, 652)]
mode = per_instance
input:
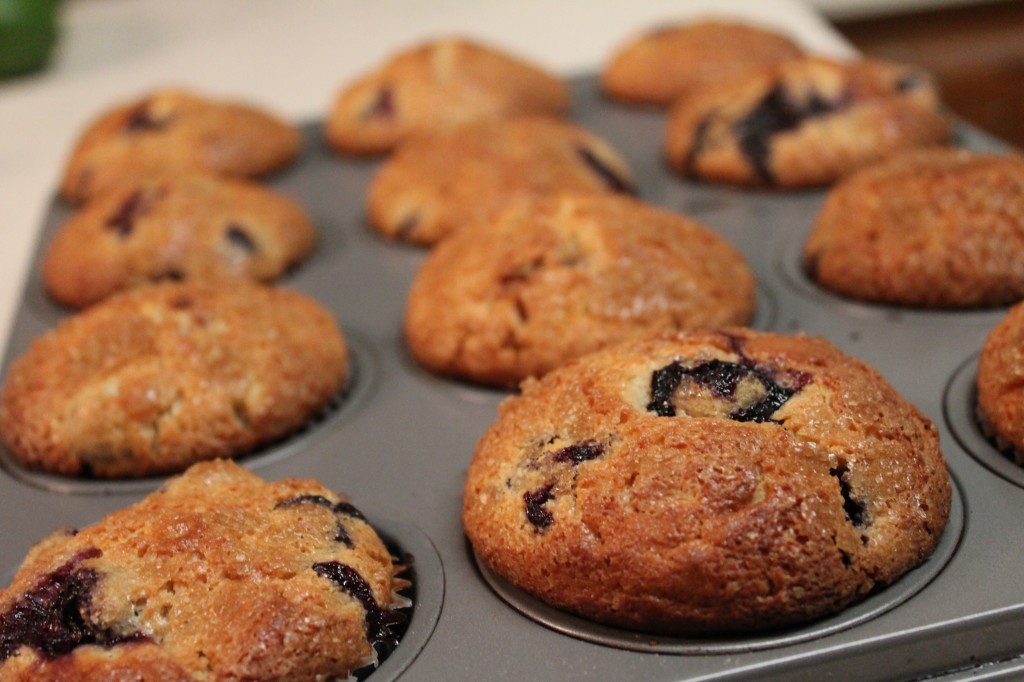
[(196, 226), (153, 379), (170, 131), (804, 122), (1000, 384), (435, 86), (707, 482), (437, 183), (215, 576), (554, 276), (935, 228), (664, 64)]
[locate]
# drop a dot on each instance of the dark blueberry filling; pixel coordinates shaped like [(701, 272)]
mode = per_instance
[(776, 113), (909, 82), (664, 383), (122, 222), (610, 178), (721, 378), (318, 500), (521, 272), (579, 452), (700, 140), (379, 622), (182, 302), (383, 106), (348, 509), (856, 510), (408, 226), (812, 265), (340, 509), (536, 514), (763, 409), (238, 237), (141, 119), (52, 617)]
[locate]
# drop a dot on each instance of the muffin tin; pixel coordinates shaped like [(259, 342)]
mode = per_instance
[(400, 441)]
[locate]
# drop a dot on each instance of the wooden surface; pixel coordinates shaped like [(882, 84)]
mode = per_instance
[(976, 54)]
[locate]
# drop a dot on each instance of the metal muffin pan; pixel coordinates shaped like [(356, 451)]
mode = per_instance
[(401, 439)]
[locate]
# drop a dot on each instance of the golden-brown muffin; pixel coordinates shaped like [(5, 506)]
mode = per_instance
[(194, 226), (805, 122), (664, 64), (936, 228), (1000, 384), (435, 86), (555, 276), (216, 576), (436, 183), (707, 482), (171, 131), (153, 379)]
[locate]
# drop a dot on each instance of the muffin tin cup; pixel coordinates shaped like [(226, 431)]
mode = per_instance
[(789, 265), (424, 570), (960, 407), (406, 542), (877, 603), (344, 406)]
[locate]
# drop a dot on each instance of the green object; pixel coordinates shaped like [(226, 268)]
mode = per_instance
[(28, 31)]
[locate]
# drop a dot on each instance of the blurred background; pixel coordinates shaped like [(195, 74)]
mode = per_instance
[(974, 49)]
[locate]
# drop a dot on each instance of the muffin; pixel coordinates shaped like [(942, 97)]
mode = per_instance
[(554, 276), (170, 131), (435, 86), (1000, 384), (436, 183), (706, 483), (937, 228), (150, 380), (806, 122), (190, 227), (216, 576), (664, 64)]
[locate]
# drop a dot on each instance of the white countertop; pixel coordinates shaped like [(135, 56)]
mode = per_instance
[(290, 57)]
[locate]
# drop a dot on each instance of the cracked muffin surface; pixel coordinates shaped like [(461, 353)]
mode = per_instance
[(171, 131), (707, 483), (153, 379), (438, 183), (194, 226), (435, 86), (551, 277), (215, 576), (805, 122)]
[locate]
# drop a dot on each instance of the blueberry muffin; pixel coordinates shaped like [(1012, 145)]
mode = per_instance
[(435, 183), (197, 226), (170, 131), (805, 122), (707, 483), (937, 228), (152, 379), (1000, 384), (435, 86), (664, 64), (555, 276), (216, 576)]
